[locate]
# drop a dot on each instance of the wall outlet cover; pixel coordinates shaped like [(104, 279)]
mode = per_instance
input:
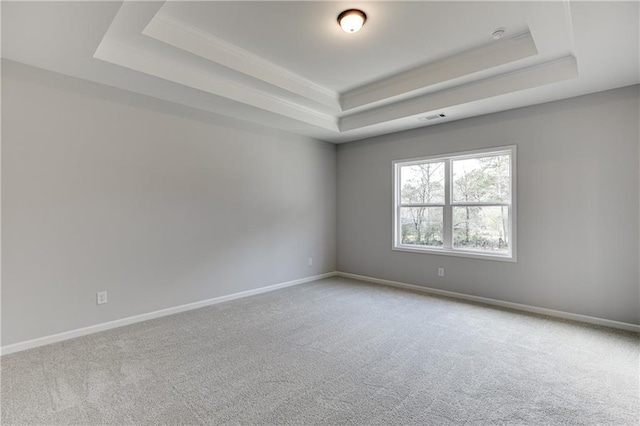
[(101, 297)]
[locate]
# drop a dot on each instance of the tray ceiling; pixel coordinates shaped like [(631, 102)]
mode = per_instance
[(288, 65)]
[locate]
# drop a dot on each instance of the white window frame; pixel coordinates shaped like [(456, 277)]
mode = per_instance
[(447, 249)]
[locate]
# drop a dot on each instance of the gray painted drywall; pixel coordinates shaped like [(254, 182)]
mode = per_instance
[(106, 190), (578, 190)]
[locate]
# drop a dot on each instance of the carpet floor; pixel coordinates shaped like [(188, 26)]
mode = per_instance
[(335, 351)]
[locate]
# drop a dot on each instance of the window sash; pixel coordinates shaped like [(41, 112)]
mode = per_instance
[(447, 207), (422, 205), (482, 204), (468, 204)]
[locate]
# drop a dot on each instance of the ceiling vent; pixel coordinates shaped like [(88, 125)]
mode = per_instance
[(432, 117)]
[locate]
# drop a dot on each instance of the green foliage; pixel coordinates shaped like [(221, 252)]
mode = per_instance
[(422, 184), (481, 180), (475, 180), (422, 225)]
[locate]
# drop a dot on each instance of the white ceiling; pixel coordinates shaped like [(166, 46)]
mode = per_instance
[(288, 65), (395, 37)]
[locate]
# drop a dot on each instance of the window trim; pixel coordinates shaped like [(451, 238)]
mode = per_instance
[(448, 205)]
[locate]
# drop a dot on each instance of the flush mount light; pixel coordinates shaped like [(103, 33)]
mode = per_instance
[(352, 20)]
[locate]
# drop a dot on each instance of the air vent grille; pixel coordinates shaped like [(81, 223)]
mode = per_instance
[(432, 117)]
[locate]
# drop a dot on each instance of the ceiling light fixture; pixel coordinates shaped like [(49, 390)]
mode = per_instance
[(352, 20)]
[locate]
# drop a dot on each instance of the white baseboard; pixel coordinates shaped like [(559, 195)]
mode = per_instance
[(500, 303), (41, 341)]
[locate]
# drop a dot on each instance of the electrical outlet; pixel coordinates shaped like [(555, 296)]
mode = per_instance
[(441, 272), (310, 262), (101, 297)]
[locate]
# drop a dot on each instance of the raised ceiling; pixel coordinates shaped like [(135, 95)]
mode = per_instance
[(288, 65)]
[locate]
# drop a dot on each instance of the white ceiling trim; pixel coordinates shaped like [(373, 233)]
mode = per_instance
[(603, 36), (431, 76), (474, 74), (549, 72), (64, 37), (143, 61), (181, 35)]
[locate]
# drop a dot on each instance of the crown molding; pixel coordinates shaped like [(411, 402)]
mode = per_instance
[(143, 61), (485, 72), (140, 60), (181, 35), (432, 76), (553, 71)]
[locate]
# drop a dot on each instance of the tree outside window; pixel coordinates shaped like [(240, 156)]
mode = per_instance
[(458, 203)]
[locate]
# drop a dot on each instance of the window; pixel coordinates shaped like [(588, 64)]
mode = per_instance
[(461, 204)]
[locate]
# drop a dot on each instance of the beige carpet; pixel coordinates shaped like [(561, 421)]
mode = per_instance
[(335, 351)]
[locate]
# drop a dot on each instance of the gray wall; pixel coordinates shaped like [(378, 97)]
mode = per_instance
[(162, 205), (578, 190), (106, 190)]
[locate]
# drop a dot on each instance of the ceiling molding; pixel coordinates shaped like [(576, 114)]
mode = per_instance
[(569, 24), (181, 35), (549, 72), (463, 77), (540, 66), (433, 75), (143, 61), (490, 70)]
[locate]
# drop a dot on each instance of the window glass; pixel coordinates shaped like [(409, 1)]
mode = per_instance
[(481, 180), (481, 228), (457, 204), (422, 183), (421, 226)]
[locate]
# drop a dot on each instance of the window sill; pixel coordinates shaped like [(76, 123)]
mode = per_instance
[(457, 253)]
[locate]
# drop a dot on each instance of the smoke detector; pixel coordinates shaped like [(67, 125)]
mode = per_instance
[(498, 33)]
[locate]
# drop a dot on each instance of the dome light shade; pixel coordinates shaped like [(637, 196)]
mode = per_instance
[(352, 20)]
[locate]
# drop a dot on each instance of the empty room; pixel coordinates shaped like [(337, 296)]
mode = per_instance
[(320, 213)]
